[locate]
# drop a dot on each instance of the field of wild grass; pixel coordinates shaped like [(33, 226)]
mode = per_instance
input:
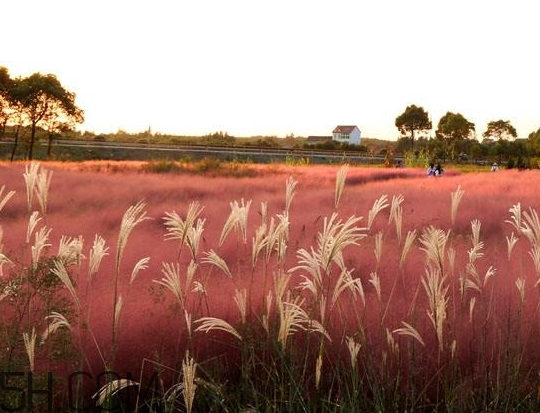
[(272, 288)]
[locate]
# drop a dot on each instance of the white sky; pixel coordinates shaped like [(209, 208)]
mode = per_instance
[(251, 67)]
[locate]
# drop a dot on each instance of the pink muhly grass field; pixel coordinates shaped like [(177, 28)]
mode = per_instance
[(85, 200)]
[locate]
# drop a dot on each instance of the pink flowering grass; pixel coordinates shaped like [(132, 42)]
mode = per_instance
[(487, 328)]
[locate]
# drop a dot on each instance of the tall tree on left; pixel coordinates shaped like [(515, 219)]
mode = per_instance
[(41, 98)]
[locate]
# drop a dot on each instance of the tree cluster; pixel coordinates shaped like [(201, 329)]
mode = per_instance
[(36, 101), (455, 138)]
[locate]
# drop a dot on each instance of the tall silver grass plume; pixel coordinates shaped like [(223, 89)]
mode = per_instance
[(189, 368), (511, 242), (336, 236), (531, 226), (490, 272), (396, 214), (281, 287), (142, 264), (290, 186), (32, 223), (117, 310), (189, 324), (456, 199), (55, 320), (171, 280), (265, 318), (97, 253), (277, 238), (409, 240), (213, 258), (310, 261), (292, 317), (60, 271), (475, 229), (5, 198), (534, 253), (520, 285), (240, 298), (264, 212), (30, 346), (31, 172), (190, 273), (194, 235), (451, 259), (4, 260), (176, 227), (409, 330), (340, 183), (133, 216), (354, 349), (376, 282), (346, 282), (112, 388), (392, 344), (213, 323), (433, 242), (318, 370), (437, 294), (41, 242), (42, 185), (377, 207), (475, 252), (259, 242), (516, 217), (237, 219), (378, 247), (472, 305), (70, 250)]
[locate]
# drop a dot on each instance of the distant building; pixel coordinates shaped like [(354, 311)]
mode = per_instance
[(347, 133)]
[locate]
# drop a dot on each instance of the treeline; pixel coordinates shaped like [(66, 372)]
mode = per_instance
[(455, 140), (36, 102)]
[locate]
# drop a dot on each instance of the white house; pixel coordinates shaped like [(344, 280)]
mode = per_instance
[(344, 133)]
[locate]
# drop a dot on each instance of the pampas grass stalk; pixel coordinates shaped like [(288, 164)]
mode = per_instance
[(5, 198), (171, 281), (32, 223), (55, 320), (110, 389), (41, 242), (340, 183), (97, 253), (42, 185), (213, 258), (133, 216), (70, 250), (189, 368), (30, 177), (178, 228), (409, 240), (436, 290), (214, 323), (456, 199), (290, 186), (30, 346), (379, 204), (409, 330), (378, 247), (511, 242), (237, 219), (142, 264), (396, 214)]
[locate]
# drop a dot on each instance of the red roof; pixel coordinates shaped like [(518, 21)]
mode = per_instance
[(344, 129)]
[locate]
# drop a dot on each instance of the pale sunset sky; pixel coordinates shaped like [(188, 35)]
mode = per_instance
[(250, 67)]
